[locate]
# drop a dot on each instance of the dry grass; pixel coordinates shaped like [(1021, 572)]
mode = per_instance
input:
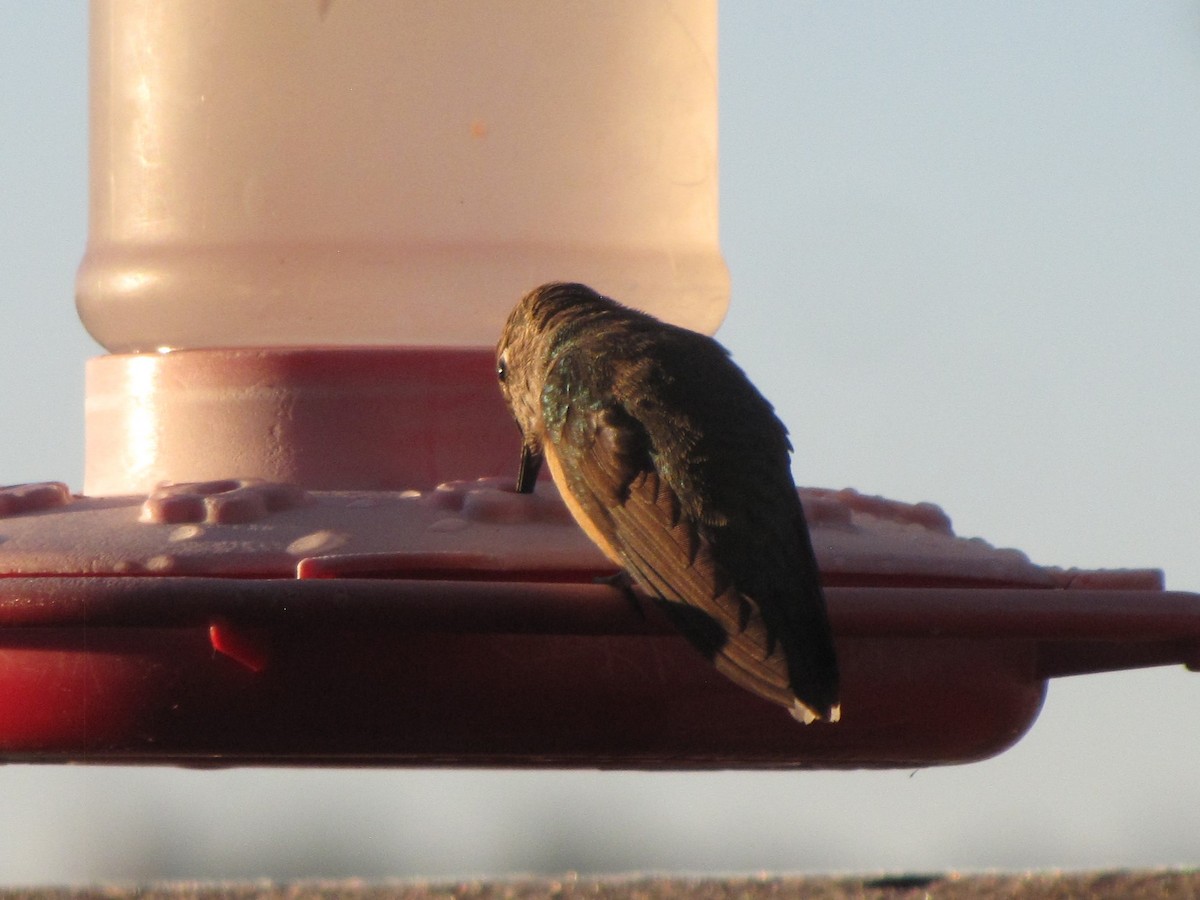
[(1134, 885)]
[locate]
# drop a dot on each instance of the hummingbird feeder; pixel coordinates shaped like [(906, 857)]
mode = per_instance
[(298, 541)]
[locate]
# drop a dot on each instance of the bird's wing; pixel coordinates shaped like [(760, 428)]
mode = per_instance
[(611, 467)]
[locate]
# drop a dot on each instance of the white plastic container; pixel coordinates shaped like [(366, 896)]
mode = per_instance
[(394, 172)]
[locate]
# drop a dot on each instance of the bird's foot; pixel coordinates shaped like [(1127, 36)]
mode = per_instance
[(622, 582)]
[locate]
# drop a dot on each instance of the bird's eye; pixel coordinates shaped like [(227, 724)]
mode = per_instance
[(502, 369)]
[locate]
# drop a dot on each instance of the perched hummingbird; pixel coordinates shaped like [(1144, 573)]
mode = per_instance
[(678, 469)]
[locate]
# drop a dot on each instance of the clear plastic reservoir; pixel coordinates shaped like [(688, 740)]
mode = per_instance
[(394, 172)]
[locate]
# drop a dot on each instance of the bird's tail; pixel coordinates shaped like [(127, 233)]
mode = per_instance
[(741, 649)]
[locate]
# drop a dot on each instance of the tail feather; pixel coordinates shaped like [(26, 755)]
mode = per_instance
[(741, 655)]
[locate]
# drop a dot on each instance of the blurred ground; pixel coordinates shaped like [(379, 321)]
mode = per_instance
[(1030, 886)]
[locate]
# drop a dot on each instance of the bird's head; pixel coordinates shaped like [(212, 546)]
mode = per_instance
[(522, 358)]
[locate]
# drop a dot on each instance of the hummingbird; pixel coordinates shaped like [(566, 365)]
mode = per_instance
[(678, 469)]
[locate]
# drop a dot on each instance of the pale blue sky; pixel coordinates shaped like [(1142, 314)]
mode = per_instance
[(963, 240)]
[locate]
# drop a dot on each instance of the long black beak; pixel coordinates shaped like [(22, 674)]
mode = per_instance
[(531, 464)]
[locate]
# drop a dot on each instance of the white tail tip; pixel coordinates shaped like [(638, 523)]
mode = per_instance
[(805, 714)]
